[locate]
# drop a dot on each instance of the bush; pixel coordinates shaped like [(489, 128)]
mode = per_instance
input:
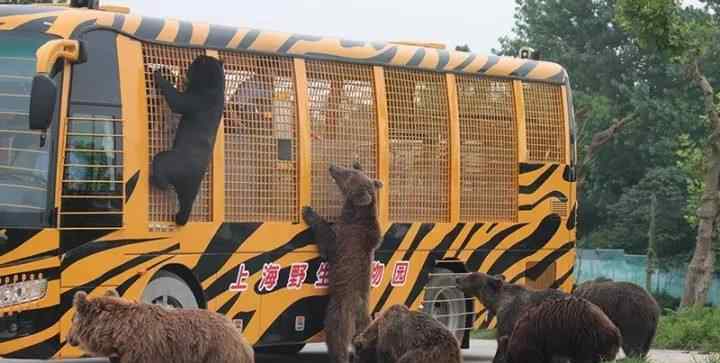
[(690, 329)]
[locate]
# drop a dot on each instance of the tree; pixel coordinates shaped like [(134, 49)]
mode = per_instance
[(687, 38), (651, 256)]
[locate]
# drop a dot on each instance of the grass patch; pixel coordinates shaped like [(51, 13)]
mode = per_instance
[(690, 329), (485, 334)]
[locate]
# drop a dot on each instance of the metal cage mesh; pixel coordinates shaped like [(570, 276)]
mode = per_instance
[(261, 181), (419, 148), (174, 63), (488, 150), (545, 122), (343, 125)]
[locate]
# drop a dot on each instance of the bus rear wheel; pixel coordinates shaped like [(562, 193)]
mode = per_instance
[(170, 291), (445, 302)]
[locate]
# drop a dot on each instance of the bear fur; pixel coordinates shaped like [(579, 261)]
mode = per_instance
[(504, 300), (569, 327), (127, 332), (399, 335), (633, 310), (201, 107), (349, 247)]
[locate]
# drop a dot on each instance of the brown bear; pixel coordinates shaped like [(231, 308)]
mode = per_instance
[(349, 247), (568, 327), (504, 300), (399, 335), (128, 332), (633, 310)]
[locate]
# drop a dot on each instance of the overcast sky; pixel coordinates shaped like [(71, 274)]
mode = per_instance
[(478, 23)]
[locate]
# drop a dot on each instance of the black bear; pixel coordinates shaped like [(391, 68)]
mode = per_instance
[(201, 107), (630, 307), (560, 327), (349, 247)]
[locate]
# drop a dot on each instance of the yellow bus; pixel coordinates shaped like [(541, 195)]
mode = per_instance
[(476, 153)]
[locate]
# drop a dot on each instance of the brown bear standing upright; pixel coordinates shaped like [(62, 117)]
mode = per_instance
[(399, 335), (349, 247), (569, 327), (630, 307), (127, 332), (506, 301)]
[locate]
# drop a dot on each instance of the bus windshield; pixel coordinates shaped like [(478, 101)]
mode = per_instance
[(24, 160)]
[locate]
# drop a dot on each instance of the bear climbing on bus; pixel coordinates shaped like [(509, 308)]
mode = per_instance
[(353, 239), (201, 107)]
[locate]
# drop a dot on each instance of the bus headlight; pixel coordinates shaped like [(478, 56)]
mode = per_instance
[(22, 292)]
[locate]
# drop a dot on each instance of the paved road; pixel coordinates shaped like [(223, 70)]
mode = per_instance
[(481, 351)]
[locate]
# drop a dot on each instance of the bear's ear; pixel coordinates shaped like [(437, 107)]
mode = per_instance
[(501, 277), (378, 184), (80, 301), (496, 282), (112, 293), (356, 165)]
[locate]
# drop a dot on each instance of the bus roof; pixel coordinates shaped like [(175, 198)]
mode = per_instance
[(72, 23)]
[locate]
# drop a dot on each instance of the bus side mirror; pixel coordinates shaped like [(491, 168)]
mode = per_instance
[(42, 102), (44, 91)]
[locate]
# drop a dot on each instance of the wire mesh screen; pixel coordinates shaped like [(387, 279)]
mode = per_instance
[(92, 187), (174, 63), (343, 125), (544, 122), (260, 139), (488, 150), (419, 150)]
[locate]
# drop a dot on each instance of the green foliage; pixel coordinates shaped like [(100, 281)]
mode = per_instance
[(658, 24), (690, 329), (630, 215)]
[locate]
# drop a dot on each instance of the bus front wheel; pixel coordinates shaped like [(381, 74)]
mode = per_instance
[(445, 302), (170, 291)]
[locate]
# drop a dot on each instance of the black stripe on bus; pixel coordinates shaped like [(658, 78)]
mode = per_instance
[(525, 69), (248, 40), (538, 182), (537, 240), (88, 249), (570, 224), (150, 28), (219, 36), (42, 350), (130, 185), (492, 60), (553, 194), (118, 22), (470, 58), (476, 227), (296, 38), (184, 34), (480, 254), (443, 59), (562, 278), (417, 58), (528, 168), (228, 239), (538, 269)]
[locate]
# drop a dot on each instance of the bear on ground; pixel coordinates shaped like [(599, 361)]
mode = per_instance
[(201, 107), (399, 335), (504, 300), (633, 310), (349, 247), (569, 327), (127, 332)]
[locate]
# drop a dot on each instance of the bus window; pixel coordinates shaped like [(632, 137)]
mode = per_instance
[(92, 187), (545, 122), (343, 127), (174, 63), (419, 150), (260, 133), (488, 150)]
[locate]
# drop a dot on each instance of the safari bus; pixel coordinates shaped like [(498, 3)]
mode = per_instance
[(476, 153)]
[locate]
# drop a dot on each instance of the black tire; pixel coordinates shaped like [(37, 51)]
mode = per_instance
[(453, 314), (169, 290)]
